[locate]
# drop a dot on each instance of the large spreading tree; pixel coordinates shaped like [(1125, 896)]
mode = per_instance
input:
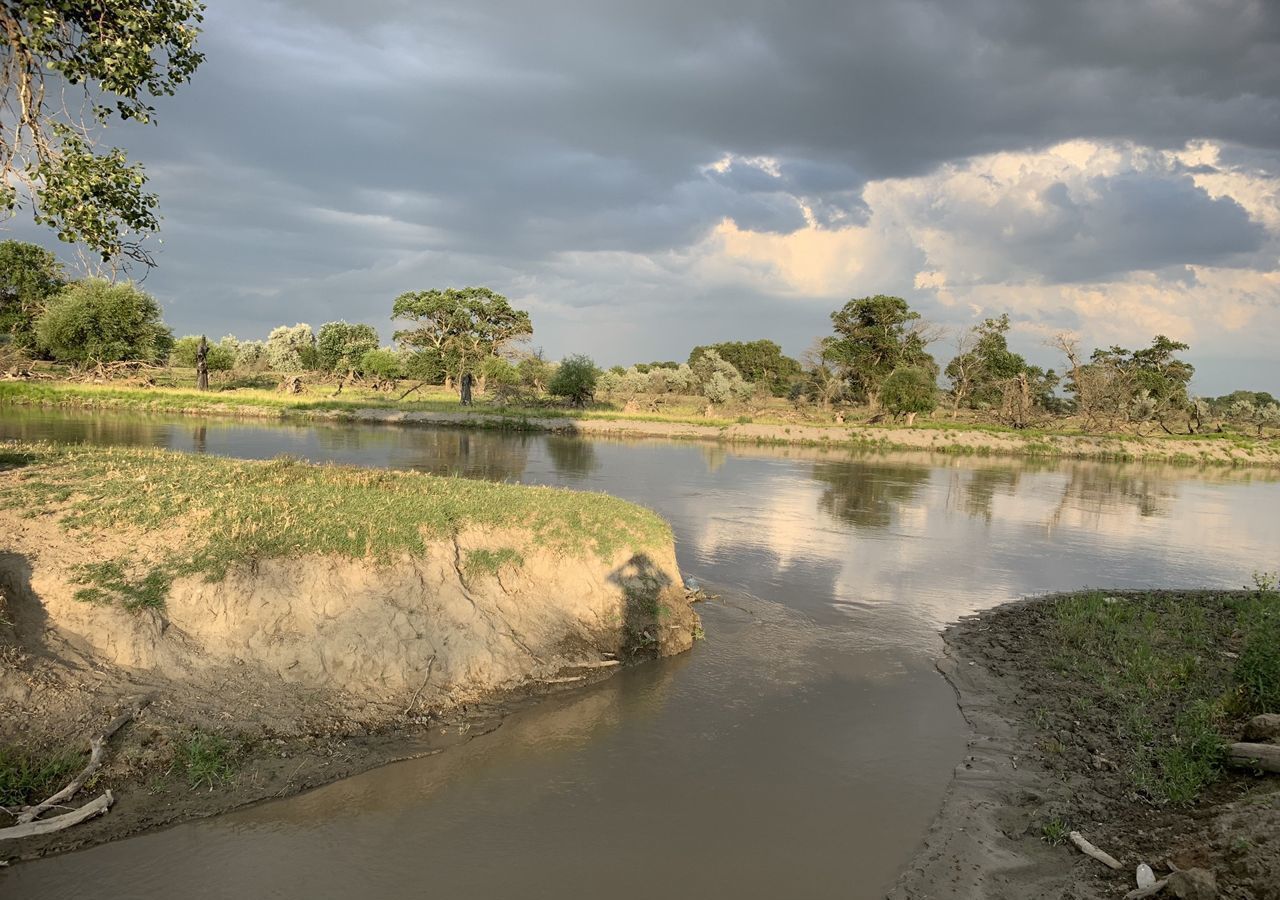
[(70, 69), (29, 277), (873, 337), (454, 330), (95, 321)]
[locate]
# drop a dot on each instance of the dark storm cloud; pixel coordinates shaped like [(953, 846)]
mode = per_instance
[(329, 154)]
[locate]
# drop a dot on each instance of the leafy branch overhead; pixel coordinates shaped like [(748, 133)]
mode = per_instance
[(69, 69)]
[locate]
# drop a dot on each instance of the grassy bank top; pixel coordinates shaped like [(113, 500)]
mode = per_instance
[(231, 511)]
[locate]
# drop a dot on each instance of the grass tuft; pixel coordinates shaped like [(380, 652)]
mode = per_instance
[(206, 759), (27, 777)]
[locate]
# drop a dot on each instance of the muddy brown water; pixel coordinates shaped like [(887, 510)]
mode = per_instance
[(800, 751)]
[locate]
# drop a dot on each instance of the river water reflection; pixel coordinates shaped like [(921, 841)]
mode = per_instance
[(799, 752)]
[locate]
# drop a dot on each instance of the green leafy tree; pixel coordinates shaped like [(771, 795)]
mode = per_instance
[(758, 362), (382, 364), (291, 349), (873, 337), (1133, 386), (221, 357), (340, 346), (120, 54), (459, 327), (29, 276), (909, 392), (575, 380), (95, 321), (535, 372), (986, 374)]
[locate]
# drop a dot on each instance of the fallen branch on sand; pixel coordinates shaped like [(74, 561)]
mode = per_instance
[(97, 748), (1089, 850), (57, 823)]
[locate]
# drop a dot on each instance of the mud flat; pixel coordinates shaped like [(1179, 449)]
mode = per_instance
[(281, 625), (1107, 714)]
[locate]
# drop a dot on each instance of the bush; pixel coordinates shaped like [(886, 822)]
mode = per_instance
[(497, 372), (717, 379), (909, 391), (340, 346), (250, 355), (575, 380), (383, 364), (291, 349), (221, 358), (97, 321)]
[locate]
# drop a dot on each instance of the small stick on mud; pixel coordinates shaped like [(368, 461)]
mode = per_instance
[(1089, 850), (97, 748), (57, 823), (413, 702)]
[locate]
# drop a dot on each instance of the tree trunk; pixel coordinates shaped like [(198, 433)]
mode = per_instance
[(202, 365), (911, 419)]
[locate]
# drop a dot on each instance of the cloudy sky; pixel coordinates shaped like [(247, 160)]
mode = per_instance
[(645, 176)]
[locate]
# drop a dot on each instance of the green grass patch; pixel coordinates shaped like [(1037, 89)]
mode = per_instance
[(108, 582), (230, 512), (27, 777), (1165, 674), (490, 562), (206, 759)]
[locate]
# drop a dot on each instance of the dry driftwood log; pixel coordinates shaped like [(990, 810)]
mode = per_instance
[(1255, 756), (57, 823), (1089, 850), (97, 748)]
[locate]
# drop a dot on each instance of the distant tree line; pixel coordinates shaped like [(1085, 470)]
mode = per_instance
[(877, 356)]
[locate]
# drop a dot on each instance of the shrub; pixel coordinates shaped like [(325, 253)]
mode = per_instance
[(340, 345), (221, 358), (717, 379), (908, 392), (384, 364), (97, 321), (291, 349), (575, 380), (497, 372), (250, 355)]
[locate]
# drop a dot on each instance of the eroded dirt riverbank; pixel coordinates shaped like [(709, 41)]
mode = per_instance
[(282, 668)]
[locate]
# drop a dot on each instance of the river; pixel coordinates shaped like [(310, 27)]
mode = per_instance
[(800, 751)]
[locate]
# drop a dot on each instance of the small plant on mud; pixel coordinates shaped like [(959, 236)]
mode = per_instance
[(206, 758), (27, 777), (1055, 831)]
